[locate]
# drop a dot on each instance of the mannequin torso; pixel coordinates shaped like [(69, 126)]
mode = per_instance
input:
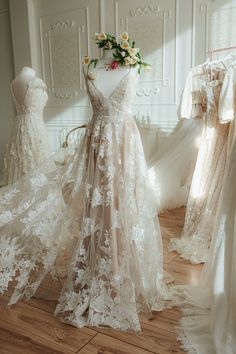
[(20, 83), (106, 78)]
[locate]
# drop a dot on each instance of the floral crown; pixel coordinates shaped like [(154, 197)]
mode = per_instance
[(125, 51)]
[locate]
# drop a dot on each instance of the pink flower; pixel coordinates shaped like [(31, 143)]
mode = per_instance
[(114, 65)]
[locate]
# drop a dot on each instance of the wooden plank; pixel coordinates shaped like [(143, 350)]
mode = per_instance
[(184, 272), (152, 339), (168, 256), (43, 328), (166, 320), (103, 344), (13, 342)]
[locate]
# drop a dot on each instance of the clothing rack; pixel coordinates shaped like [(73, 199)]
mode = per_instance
[(212, 51)]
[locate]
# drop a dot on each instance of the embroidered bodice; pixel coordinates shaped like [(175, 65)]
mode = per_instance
[(119, 101), (28, 144), (209, 90), (35, 98)]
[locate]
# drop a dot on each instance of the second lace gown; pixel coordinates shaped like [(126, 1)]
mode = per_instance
[(213, 100), (100, 210), (28, 146)]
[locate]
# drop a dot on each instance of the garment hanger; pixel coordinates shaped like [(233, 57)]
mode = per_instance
[(217, 63)]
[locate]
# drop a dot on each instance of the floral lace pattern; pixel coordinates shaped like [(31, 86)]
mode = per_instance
[(208, 175), (100, 210), (115, 271), (28, 145)]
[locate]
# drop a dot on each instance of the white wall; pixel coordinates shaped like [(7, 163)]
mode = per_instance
[(7, 112), (172, 34), (20, 33)]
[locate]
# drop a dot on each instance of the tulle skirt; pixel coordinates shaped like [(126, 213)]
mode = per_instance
[(98, 210), (28, 147), (171, 168), (208, 323)]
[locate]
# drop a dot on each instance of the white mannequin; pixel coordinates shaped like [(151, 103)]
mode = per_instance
[(20, 83), (107, 80)]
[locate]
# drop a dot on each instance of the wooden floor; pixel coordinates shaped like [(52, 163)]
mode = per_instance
[(30, 328)]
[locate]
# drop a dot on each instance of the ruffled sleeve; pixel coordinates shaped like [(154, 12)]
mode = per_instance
[(192, 101), (226, 99)]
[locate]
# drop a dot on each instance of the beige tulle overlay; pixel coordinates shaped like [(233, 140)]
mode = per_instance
[(98, 209), (212, 100), (208, 322), (28, 146)]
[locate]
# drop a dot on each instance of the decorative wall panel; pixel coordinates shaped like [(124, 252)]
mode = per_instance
[(64, 37), (215, 27), (172, 34), (155, 27)]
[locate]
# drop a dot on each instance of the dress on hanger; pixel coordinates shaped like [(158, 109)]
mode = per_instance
[(28, 145), (208, 94), (100, 211), (209, 322)]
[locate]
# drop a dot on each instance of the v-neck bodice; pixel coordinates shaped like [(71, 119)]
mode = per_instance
[(118, 102)]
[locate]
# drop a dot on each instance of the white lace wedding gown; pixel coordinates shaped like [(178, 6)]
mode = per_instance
[(213, 101), (208, 325), (105, 217), (28, 145)]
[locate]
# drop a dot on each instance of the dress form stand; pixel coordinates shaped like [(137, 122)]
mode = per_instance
[(106, 78), (20, 83)]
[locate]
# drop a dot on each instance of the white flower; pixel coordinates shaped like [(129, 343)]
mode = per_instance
[(147, 68), (108, 45), (133, 61), (127, 61), (125, 45), (88, 227), (102, 36), (124, 36), (97, 197), (133, 51), (123, 54), (95, 36), (5, 217), (86, 60)]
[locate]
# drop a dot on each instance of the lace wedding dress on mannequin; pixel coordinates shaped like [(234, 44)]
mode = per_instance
[(28, 145), (100, 209)]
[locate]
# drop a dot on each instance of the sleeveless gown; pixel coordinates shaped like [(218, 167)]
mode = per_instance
[(28, 146), (99, 211)]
